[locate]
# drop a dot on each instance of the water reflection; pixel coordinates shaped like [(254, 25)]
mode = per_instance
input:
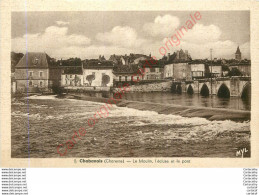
[(190, 100), (184, 99)]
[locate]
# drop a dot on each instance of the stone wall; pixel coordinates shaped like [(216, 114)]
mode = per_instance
[(162, 86)]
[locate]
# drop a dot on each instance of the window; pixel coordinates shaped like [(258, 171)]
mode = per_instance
[(66, 82), (152, 70), (41, 83), (71, 82), (197, 74), (125, 78), (41, 74), (30, 83), (119, 78), (30, 74), (71, 76)]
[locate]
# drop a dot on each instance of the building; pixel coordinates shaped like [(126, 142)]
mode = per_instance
[(128, 59), (154, 70), (116, 59), (169, 71), (215, 70), (127, 74), (182, 71), (197, 70), (97, 73), (37, 72), (72, 73), (178, 71), (177, 65), (238, 54), (244, 66)]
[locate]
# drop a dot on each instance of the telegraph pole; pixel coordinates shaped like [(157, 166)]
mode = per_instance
[(211, 72)]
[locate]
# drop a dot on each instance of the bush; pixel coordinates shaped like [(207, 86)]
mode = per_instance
[(234, 72)]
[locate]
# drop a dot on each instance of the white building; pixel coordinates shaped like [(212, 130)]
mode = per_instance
[(98, 73)]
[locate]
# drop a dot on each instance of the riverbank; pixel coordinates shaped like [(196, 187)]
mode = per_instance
[(185, 111)]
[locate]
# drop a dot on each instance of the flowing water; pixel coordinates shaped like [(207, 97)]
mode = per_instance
[(125, 132)]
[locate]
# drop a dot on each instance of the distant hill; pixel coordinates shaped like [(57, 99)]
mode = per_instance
[(15, 58)]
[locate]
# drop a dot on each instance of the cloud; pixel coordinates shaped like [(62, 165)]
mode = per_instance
[(202, 34), (62, 23), (245, 50), (121, 40), (54, 38), (122, 36), (162, 26), (199, 40)]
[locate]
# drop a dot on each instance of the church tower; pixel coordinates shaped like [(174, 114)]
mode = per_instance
[(238, 54)]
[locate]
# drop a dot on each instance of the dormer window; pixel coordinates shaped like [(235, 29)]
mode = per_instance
[(35, 61)]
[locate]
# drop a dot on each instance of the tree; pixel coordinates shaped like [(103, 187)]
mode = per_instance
[(234, 72), (77, 80), (90, 78), (105, 80)]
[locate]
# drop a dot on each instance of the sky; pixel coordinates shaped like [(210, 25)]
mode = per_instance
[(89, 34)]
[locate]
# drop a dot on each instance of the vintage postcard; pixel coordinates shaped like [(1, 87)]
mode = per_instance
[(129, 84)]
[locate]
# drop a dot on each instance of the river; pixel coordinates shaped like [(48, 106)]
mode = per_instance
[(185, 99), (126, 132)]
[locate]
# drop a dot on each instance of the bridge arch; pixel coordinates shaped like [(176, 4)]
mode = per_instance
[(223, 91), (246, 92), (173, 88), (179, 89), (190, 90), (205, 90)]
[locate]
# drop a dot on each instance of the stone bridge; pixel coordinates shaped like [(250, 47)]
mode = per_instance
[(222, 87)]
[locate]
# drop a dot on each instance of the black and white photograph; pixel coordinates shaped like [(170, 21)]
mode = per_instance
[(130, 84)]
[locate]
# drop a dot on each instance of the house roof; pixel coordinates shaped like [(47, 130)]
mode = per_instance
[(36, 60), (129, 58), (115, 58), (70, 62), (73, 70), (153, 63), (241, 63), (178, 57), (125, 69), (96, 64)]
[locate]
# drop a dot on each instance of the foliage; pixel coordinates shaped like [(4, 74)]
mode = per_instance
[(105, 80), (234, 72), (90, 78)]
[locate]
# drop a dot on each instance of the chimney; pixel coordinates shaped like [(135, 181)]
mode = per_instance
[(168, 56), (186, 54)]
